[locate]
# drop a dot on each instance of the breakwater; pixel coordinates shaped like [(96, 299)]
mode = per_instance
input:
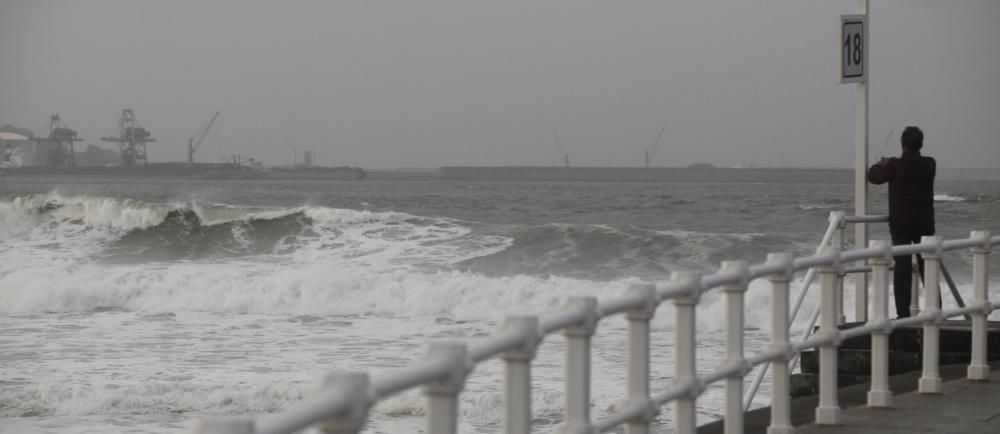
[(641, 174), (681, 174)]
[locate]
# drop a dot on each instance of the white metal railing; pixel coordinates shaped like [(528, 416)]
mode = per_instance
[(343, 404), (834, 230), (834, 236)]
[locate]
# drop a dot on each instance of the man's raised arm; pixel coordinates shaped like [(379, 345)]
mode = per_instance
[(880, 172)]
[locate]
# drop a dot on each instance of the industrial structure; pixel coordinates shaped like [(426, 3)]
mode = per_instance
[(132, 140), (656, 144), (52, 152), (201, 134), (15, 149), (559, 148), (57, 146)]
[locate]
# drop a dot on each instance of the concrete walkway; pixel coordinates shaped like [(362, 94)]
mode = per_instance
[(984, 398), (964, 407)]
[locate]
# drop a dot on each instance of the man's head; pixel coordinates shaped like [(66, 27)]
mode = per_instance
[(912, 138)]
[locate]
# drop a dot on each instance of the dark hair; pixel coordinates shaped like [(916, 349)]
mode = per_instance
[(913, 138)]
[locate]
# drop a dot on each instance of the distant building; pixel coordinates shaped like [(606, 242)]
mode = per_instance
[(16, 150)]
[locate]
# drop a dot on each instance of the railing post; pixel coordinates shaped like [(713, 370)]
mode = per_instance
[(578, 365), (685, 375), (914, 286), (930, 378), (860, 293), (733, 423), (838, 242), (828, 411), (442, 395), (841, 316), (351, 420), (517, 374), (979, 369), (781, 414), (638, 355), (879, 395), (835, 219)]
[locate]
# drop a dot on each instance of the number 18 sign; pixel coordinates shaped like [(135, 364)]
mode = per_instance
[(853, 48)]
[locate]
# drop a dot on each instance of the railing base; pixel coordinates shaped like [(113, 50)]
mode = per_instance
[(780, 429), (930, 385), (979, 373), (880, 398), (828, 415)]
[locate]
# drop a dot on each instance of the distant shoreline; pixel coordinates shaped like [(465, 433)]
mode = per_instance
[(196, 171), (682, 174), (510, 173)]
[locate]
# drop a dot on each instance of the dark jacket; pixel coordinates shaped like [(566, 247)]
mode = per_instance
[(911, 189)]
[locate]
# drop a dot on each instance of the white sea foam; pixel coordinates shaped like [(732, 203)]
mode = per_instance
[(15, 219), (948, 198), (373, 262), (148, 397), (700, 237), (245, 288), (117, 214), (809, 207)]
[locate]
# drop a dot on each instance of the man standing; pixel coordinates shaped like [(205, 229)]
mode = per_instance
[(911, 206)]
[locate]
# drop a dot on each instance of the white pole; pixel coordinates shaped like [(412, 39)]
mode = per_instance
[(685, 374), (780, 399), (517, 377), (838, 241), (638, 353), (442, 394), (979, 369), (914, 285), (517, 396), (733, 423), (828, 411), (880, 395), (860, 171), (835, 218), (578, 365), (930, 379)]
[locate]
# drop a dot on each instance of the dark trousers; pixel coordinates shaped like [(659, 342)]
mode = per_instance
[(902, 274)]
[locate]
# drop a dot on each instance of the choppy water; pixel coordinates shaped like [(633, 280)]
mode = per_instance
[(137, 305)]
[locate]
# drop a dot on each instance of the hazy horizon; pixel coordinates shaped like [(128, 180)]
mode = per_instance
[(433, 83)]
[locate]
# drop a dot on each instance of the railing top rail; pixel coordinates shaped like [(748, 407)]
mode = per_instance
[(681, 285)]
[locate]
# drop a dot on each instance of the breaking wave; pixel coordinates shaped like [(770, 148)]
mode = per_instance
[(127, 231), (113, 231)]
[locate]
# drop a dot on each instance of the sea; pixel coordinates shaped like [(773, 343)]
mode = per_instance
[(137, 305)]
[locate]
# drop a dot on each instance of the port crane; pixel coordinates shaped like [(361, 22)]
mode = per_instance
[(656, 144), (201, 134), (131, 139), (60, 143)]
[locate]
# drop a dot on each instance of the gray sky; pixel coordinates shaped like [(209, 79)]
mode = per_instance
[(425, 83)]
